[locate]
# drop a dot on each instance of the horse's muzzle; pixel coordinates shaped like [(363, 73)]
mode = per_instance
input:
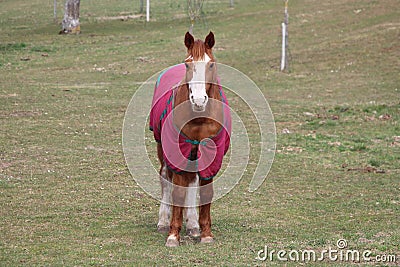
[(199, 104)]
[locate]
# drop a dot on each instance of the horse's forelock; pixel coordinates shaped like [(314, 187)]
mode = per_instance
[(199, 50)]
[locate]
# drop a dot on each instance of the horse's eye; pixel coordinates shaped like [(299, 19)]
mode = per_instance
[(211, 65), (187, 65)]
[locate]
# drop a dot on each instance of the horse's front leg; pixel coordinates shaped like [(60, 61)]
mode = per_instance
[(192, 217), (206, 195), (180, 183)]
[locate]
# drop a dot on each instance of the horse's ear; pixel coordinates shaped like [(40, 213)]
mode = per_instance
[(189, 40), (210, 41)]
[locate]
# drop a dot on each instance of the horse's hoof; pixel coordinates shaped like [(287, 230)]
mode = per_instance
[(207, 240), (195, 232), (163, 229), (172, 242)]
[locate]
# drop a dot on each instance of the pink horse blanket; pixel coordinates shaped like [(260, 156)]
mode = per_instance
[(177, 148)]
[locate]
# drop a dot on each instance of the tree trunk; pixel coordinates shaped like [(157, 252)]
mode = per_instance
[(141, 6), (55, 11), (70, 23)]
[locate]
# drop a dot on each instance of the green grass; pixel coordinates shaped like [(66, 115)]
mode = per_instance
[(67, 198)]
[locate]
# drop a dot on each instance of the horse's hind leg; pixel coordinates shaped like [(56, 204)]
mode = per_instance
[(164, 213), (192, 217), (165, 181)]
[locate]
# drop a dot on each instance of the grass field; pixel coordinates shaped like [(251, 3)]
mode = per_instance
[(67, 197)]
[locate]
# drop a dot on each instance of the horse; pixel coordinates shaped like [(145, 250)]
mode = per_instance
[(191, 123)]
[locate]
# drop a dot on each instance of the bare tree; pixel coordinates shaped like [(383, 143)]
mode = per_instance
[(70, 23), (55, 11), (141, 7)]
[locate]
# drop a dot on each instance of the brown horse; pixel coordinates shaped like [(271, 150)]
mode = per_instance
[(191, 150)]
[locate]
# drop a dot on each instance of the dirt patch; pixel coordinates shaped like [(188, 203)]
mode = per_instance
[(21, 113), (366, 169), (123, 18), (9, 95), (4, 165)]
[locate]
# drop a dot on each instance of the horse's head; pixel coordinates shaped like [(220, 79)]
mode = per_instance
[(200, 70)]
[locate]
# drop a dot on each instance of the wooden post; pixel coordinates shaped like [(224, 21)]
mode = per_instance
[(285, 39)]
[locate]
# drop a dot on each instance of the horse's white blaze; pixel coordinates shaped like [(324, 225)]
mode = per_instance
[(192, 218), (163, 215), (198, 95)]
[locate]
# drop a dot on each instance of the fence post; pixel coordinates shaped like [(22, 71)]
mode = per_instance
[(285, 39), (148, 10)]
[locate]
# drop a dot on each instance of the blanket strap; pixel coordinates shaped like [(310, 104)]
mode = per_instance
[(195, 142)]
